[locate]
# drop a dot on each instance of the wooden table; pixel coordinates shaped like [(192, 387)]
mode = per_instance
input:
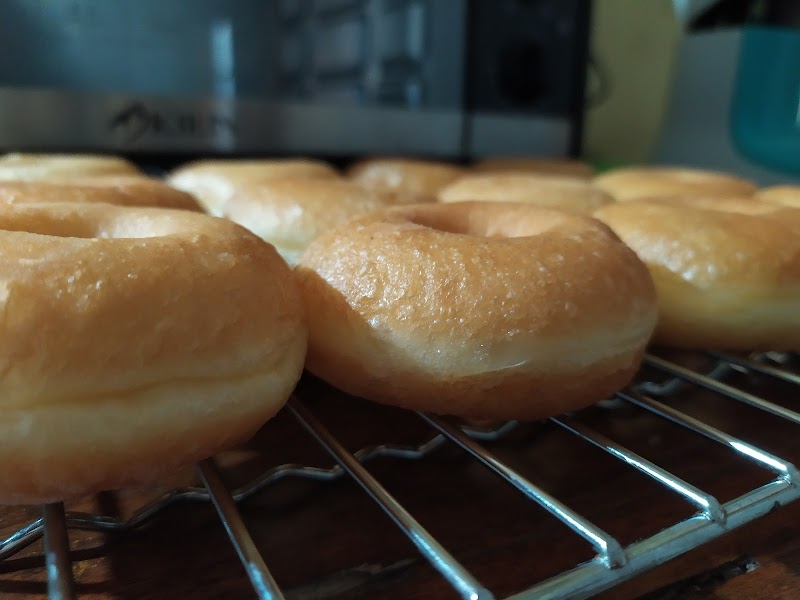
[(329, 540)]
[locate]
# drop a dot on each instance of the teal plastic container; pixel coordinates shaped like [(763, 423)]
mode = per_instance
[(765, 119)]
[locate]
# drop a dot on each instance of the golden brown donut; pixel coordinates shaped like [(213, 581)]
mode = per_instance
[(634, 183), (538, 165), (727, 271), (123, 190), (787, 195), (547, 191), (482, 310), (409, 180), (213, 182), (135, 340), (22, 166), (290, 212)]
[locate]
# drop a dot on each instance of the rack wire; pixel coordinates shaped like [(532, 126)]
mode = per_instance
[(612, 564)]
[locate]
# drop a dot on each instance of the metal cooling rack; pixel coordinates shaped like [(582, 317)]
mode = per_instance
[(612, 564)]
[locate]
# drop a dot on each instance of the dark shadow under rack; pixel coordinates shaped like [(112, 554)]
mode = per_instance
[(613, 563)]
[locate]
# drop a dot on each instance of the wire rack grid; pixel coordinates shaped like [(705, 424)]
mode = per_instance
[(613, 563)]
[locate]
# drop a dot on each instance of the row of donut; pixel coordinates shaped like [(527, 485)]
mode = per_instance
[(722, 264), (165, 336), (723, 253), (563, 184)]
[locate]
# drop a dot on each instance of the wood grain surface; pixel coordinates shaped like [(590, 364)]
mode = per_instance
[(330, 540)]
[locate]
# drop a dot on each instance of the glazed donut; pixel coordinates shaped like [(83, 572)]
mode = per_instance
[(21, 166), (289, 213), (213, 182), (135, 341), (727, 271), (536, 165), (481, 310), (634, 183), (120, 190), (547, 191), (787, 195), (408, 180)]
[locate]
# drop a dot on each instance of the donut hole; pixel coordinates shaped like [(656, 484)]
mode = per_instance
[(485, 219)]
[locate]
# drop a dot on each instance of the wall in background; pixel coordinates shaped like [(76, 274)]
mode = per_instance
[(634, 45)]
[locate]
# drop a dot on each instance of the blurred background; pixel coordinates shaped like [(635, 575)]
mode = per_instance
[(706, 84)]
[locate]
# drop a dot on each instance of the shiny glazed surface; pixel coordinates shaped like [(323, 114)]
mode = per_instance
[(546, 191), (290, 212), (465, 308), (634, 183), (125, 190), (727, 271), (411, 180), (214, 182), (134, 341), (22, 166)]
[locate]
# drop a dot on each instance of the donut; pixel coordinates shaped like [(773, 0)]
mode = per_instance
[(125, 190), (547, 191), (213, 182), (290, 212), (15, 166), (476, 309), (135, 341), (727, 271), (787, 195), (536, 165), (409, 180), (634, 183)]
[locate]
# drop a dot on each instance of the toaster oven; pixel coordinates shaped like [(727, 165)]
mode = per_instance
[(450, 78)]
